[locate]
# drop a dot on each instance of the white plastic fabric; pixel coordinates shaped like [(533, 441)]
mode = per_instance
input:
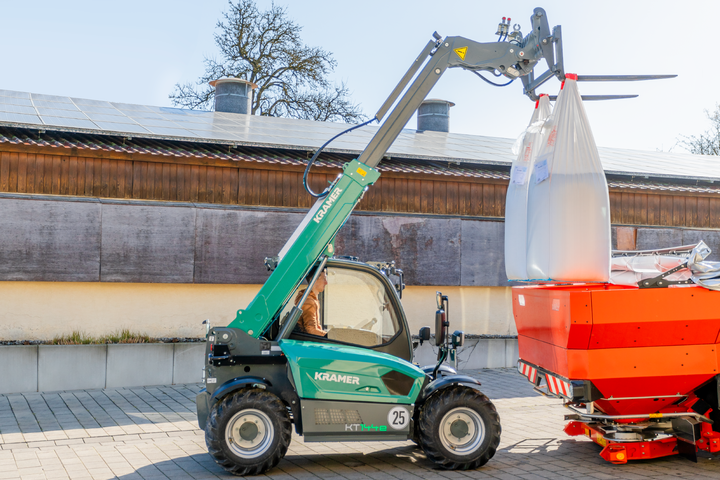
[(526, 148), (629, 268), (632, 269), (706, 274), (568, 201)]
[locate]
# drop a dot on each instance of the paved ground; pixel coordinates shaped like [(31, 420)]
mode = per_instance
[(150, 433)]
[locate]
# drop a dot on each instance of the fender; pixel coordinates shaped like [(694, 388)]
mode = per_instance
[(204, 401), (445, 382), (236, 384), (443, 370)]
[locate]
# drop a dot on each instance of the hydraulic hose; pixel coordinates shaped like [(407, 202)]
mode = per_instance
[(443, 356), (317, 153), (493, 83)]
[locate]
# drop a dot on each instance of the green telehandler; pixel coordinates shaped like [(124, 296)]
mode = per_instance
[(263, 374)]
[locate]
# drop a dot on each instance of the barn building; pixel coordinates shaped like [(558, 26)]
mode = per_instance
[(154, 219)]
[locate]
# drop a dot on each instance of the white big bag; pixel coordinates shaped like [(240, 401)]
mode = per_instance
[(527, 146), (568, 202)]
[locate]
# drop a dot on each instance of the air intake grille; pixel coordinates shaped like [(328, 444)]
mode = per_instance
[(324, 416)]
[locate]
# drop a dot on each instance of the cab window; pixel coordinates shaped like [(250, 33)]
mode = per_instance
[(358, 309)]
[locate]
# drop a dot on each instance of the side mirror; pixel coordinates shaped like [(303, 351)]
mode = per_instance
[(458, 338), (439, 327), (424, 334)]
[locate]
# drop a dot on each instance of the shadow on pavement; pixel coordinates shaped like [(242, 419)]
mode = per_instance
[(540, 457)]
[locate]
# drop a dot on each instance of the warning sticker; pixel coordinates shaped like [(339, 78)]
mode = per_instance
[(461, 52), (518, 175), (361, 172), (541, 170)]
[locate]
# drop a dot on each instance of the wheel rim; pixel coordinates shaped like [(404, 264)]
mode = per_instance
[(462, 431), (249, 433)]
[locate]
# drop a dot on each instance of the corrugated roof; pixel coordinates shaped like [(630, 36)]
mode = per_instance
[(57, 113)]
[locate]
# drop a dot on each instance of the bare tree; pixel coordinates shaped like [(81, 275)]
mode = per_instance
[(707, 143), (265, 48)]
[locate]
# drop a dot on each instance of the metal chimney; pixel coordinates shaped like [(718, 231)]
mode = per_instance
[(233, 95), (434, 115)]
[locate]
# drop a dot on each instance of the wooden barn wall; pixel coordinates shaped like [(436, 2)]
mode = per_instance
[(221, 182), (231, 185)]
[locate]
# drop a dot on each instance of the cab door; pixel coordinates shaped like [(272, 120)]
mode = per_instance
[(359, 307)]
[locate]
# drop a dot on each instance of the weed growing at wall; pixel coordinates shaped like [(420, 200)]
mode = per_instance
[(121, 336)]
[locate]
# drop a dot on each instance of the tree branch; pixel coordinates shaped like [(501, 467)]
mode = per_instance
[(266, 49)]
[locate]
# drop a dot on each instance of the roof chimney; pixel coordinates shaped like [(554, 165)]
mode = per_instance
[(233, 95), (434, 115)]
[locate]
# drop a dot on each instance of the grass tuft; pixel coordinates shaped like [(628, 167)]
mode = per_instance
[(75, 338), (121, 336)]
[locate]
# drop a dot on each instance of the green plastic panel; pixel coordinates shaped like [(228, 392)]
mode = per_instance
[(325, 371), (317, 231)]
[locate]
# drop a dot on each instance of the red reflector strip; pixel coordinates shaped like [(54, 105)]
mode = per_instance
[(558, 387), (528, 371)]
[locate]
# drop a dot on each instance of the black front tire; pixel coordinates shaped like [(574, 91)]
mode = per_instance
[(479, 426), (272, 430)]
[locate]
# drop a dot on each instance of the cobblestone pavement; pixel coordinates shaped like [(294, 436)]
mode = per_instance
[(150, 433)]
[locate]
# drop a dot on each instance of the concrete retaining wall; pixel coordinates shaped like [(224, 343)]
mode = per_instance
[(476, 353), (48, 368)]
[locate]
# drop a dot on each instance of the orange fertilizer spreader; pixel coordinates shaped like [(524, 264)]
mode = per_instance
[(638, 368)]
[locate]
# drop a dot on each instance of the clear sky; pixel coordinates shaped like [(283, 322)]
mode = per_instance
[(135, 51)]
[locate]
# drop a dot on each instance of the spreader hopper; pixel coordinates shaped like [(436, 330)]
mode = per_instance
[(636, 366)]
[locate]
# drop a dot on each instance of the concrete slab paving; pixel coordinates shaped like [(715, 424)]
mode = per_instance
[(150, 433)]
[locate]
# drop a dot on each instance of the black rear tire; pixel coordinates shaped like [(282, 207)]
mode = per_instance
[(459, 428), (248, 432)]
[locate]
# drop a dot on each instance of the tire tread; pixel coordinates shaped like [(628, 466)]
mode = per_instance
[(431, 414), (249, 398)]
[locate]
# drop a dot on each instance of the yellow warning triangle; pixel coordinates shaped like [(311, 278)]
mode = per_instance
[(461, 52)]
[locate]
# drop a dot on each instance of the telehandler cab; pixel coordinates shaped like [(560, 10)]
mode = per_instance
[(263, 375)]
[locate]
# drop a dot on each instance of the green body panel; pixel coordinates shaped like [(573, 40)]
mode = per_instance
[(309, 241), (324, 371)]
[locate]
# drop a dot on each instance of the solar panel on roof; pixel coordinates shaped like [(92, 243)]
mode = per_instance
[(12, 108), (56, 112), (122, 127), (172, 132), (100, 109), (51, 98), (96, 116), (19, 118), (86, 102), (15, 101), (13, 93), (104, 117), (70, 122)]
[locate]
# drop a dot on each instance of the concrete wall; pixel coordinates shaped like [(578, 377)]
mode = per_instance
[(45, 238), (160, 268), (475, 354), (475, 310), (44, 310), (49, 368), (52, 368)]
